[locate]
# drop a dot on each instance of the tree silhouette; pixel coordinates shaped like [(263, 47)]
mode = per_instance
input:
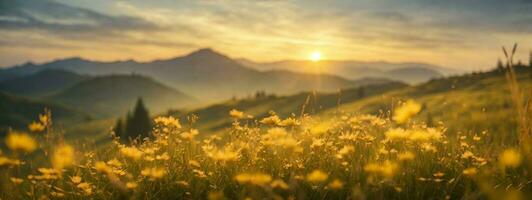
[(119, 128), (138, 124)]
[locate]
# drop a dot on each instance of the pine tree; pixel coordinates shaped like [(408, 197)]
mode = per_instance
[(119, 128), (139, 123)]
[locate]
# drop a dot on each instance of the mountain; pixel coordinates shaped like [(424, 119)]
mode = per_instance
[(18, 112), (42, 83), (206, 74), (114, 95), (405, 72)]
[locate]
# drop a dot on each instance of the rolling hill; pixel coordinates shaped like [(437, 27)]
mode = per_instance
[(206, 74), (473, 102), (110, 96), (405, 72), (18, 112), (42, 83)]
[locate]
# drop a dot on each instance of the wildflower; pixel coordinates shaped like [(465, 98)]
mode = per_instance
[(131, 152), (510, 158), (236, 114), (470, 171), (254, 179), (8, 161), (63, 156), (168, 122), (86, 187), (406, 156), (183, 184), (225, 155), (153, 173), (406, 111), (291, 121), (36, 127), (396, 133), (438, 174), (336, 184), (467, 154), (387, 169), (114, 162), (279, 184), (131, 185), (16, 180), (45, 118), (317, 176), (75, 179), (319, 128), (190, 134), (102, 167), (20, 141), (344, 151), (163, 156), (271, 120)]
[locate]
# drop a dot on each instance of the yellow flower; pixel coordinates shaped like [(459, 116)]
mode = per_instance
[(396, 134), (190, 134), (36, 127), (290, 122), (271, 120), (236, 114), (131, 152), (510, 158), (168, 122), (131, 185), (102, 167), (470, 171), (20, 141), (336, 184), (253, 178), (63, 156), (317, 176), (279, 184), (387, 169), (16, 180), (75, 179), (153, 173), (406, 156), (406, 111)]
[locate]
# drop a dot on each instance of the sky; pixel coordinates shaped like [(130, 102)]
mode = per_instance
[(462, 34)]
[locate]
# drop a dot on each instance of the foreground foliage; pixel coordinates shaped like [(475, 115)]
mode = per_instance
[(347, 156)]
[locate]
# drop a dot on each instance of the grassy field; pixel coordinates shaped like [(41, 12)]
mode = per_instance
[(454, 138)]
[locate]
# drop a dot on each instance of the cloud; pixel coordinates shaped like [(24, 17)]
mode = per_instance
[(69, 21)]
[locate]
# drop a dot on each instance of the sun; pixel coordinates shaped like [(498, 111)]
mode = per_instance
[(315, 56)]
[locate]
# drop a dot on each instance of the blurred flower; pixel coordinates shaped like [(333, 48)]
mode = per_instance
[(317, 176), (279, 184), (36, 127), (510, 158), (387, 169), (253, 178), (20, 141), (75, 179), (16, 180), (153, 173), (471, 171), (189, 135), (63, 156), (236, 114), (291, 121), (407, 155), (131, 152), (406, 111), (131, 185), (336, 184), (271, 120)]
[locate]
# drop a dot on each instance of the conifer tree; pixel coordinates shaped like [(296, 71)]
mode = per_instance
[(119, 128), (138, 123)]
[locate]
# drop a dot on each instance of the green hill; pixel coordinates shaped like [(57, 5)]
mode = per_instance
[(18, 112), (111, 96), (215, 117), (43, 83), (475, 102)]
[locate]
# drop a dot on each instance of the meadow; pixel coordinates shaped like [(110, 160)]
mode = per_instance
[(341, 155)]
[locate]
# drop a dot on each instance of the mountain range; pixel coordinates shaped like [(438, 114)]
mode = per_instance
[(409, 72), (211, 76)]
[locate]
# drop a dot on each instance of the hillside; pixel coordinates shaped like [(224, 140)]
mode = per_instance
[(197, 74), (214, 117), (109, 96), (473, 102), (405, 72), (18, 112), (42, 83)]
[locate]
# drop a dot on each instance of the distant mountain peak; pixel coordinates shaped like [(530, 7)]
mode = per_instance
[(206, 53)]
